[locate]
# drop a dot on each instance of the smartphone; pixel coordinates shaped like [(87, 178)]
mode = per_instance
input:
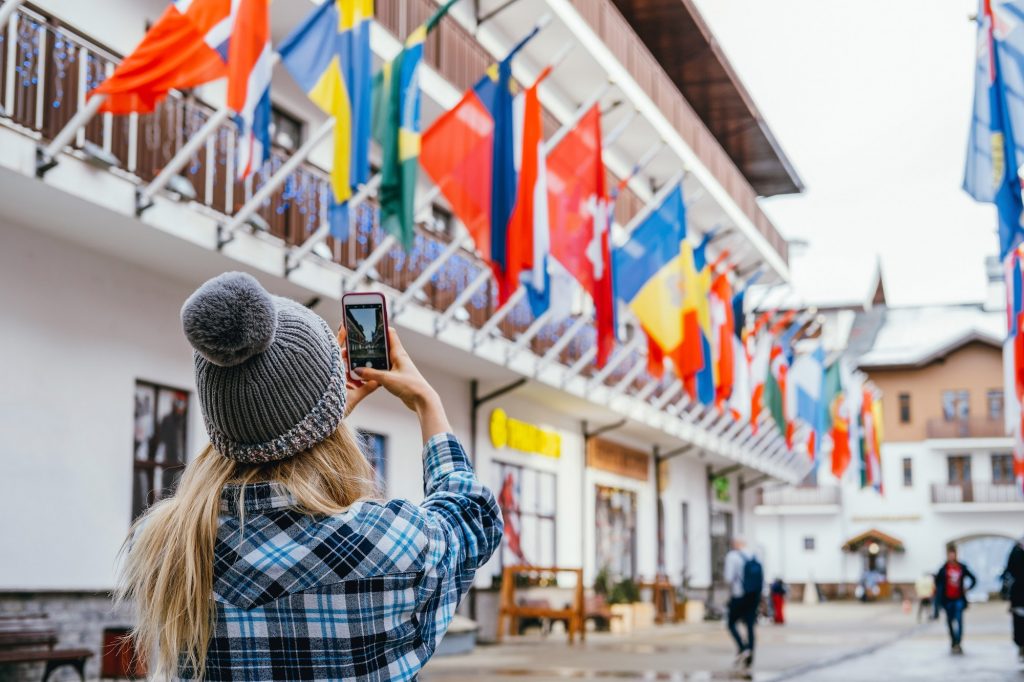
[(366, 327)]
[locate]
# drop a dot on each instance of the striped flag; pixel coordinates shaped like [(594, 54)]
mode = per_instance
[(186, 47), (329, 56), (250, 66)]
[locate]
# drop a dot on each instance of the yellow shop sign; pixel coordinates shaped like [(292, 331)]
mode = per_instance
[(512, 433)]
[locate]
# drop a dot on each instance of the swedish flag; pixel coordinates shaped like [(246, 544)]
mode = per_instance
[(329, 56)]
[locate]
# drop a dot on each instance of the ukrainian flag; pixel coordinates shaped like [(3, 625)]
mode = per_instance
[(649, 274), (329, 56)]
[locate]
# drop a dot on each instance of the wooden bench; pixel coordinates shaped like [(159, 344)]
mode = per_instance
[(31, 638), (598, 610), (511, 611)]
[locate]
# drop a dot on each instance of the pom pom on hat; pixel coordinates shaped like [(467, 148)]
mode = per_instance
[(229, 319)]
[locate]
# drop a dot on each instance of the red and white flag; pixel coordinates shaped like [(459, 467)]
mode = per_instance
[(578, 220)]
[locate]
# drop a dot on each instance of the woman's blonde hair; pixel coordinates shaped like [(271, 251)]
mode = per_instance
[(167, 562)]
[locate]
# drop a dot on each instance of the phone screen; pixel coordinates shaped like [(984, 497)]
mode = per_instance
[(367, 346)]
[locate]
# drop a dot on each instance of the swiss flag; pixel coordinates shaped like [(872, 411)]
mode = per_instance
[(578, 217)]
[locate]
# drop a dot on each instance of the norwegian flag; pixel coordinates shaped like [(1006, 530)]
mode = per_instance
[(250, 65)]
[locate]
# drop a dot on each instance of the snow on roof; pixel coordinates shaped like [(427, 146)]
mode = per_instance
[(821, 280), (917, 336)]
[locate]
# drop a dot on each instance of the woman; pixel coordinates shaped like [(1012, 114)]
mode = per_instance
[(275, 560)]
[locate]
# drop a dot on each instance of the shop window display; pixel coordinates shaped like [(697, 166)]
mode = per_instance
[(527, 498), (616, 532), (160, 443)]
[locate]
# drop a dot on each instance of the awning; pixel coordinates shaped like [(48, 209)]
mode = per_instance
[(876, 536)]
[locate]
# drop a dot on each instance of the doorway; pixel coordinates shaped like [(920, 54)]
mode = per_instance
[(721, 543)]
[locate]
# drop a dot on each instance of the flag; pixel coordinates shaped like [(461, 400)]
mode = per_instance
[(775, 390), (1013, 360), (329, 56), (528, 242), (723, 333), (836, 420), (997, 126), (186, 47), (577, 210), (250, 66), (695, 357), (396, 127), (469, 152), (806, 385), (760, 363), (648, 276), (871, 471), (853, 392)]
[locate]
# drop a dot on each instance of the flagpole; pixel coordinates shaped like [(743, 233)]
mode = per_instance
[(46, 158), (629, 377), (294, 256), (226, 232), (619, 129), (563, 341), (671, 184), (144, 197), (527, 336), (612, 365), (400, 303), (577, 116), (585, 359), (463, 298), (7, 10), (498, 316)]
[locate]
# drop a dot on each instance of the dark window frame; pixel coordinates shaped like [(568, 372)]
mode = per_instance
[(280, 118), (515, 515), (904, 407), (809, 543), (908, 472), (1002, 468), (153, 467)]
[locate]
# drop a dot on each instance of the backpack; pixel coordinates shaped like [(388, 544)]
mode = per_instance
[(753, 576)]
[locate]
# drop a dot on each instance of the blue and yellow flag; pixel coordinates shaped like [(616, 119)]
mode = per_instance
[(649, 273), (329, 56)]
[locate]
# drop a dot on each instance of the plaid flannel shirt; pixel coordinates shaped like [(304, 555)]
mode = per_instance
[(364, 595)]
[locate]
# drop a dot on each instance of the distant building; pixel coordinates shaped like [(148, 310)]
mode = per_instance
[(946, 461)]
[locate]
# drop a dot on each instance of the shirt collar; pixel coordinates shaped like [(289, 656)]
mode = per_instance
[(257, 498)]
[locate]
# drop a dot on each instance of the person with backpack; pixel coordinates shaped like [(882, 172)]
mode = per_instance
[(745, 577)]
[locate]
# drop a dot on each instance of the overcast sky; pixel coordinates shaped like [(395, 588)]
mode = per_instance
[(871, 102)]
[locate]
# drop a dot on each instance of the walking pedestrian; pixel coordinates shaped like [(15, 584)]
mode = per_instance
[(779, 592), (951, 590), (745, 577), (925, 588), (276, 558), (1015, 575)]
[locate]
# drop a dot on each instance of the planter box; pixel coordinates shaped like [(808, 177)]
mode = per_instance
[(636, 616), (643, 615), (693, 611)]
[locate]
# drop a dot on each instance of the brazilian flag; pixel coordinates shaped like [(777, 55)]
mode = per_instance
[(396, 128)]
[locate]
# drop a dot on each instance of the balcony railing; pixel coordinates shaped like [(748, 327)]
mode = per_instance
[(968, 493), (460, 59), (970, 427), (810, 495), (53, 67)]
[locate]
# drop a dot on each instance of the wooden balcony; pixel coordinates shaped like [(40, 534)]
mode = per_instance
[(976, 493), (970, 427)]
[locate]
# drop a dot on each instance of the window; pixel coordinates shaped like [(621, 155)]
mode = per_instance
[(616, 532), (161, 443), (527, 498), (375, 447), (995, 404), (809, 543), (904, 408), (959, 467), (955, 405), (908, 472), (285, 130), (1002, 468)]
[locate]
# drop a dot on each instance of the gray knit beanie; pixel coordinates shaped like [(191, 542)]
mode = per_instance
[(268, 370)]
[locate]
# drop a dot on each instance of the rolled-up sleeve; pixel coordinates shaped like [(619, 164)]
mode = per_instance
[(458, 501)]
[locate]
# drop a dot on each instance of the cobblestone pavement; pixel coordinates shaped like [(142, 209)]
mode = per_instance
[(830, 642)]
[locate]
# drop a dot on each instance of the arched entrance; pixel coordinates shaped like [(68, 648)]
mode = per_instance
[(986, 556), (874, 548)]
